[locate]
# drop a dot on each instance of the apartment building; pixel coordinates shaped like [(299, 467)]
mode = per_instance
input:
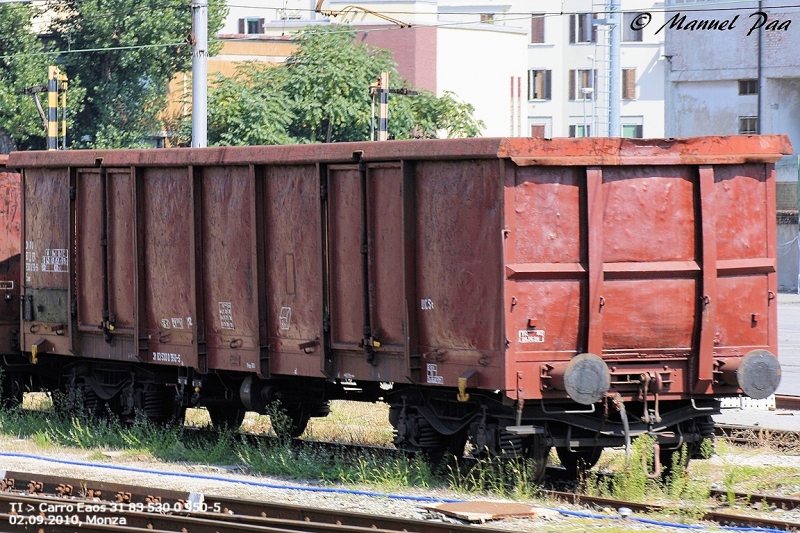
[(566, 87), (744, 79)]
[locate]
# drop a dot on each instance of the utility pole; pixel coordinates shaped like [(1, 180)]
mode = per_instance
[(381, 88), (614, 74), (56, 83), (200, 74)]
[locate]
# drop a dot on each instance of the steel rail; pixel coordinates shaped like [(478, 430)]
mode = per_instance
[(720, 517), (232, 508), (268, 517), (781, 502), (791, 403)]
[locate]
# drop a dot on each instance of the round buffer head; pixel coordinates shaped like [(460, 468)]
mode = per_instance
[(587, 378), (759, 374)]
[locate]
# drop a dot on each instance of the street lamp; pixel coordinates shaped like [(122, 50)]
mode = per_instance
[(585, 91)]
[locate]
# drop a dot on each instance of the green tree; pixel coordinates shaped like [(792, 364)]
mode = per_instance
[(23, 64), (321, 94), (328, 80), (249, 108), (126, 53)]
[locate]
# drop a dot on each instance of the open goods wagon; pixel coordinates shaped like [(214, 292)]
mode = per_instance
[(523, 293), (10, 222)]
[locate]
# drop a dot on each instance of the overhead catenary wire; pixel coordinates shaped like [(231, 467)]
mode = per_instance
[(516, 16)]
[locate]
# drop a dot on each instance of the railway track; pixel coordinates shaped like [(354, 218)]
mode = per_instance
[(723, 518), (791, 403), (64, 504), (57, 504)]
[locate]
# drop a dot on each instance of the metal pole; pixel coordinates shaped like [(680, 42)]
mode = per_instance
[(614, 74), (372, 118), (584, 115), (63, 80), (383, 107), (52, 108), (511, 128), (758, 82), (200, 74), (593, 129), (519, 106)]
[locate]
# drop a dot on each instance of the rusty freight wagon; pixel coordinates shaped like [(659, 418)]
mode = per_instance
[(521, 293), (10, 221)]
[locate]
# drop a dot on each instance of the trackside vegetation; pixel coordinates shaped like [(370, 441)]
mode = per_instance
[(321, 94), (684, 492)]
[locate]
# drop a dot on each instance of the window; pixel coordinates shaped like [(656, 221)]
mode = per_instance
[(628, 33), (629, 84), (581, 29), (487, 18), (537, 29), (632, 131), (748, 87), (538, 130), (251, 26), (748, 125), (539, 85), (581, 84), (577, 130)]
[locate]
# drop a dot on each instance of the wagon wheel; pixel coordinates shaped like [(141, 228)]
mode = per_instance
[(578, 460), (226, 417), (537, 450), (299, 415), (12, 391)]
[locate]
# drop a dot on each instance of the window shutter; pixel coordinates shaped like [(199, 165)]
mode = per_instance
[(260, 25), (537, 28), (572, 131), (537, 130), (628, 83), (241, 26), (572, 85), (547, 86), (594, 28), (572, 24)]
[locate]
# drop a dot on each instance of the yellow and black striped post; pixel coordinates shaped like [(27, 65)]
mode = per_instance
[(56, 81), (383, 107), (52, 108), (63, 86)]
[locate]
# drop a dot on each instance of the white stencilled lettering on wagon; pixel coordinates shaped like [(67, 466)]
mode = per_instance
[(533, 335), (55, 260), (426, 304), (177, 323), (31, 263), (167, 357), (433, 375), (285, 318), (226, 315), (165, 323)]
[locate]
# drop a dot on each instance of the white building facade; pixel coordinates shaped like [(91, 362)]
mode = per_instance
[(743, 79), (566, 89), (529, 68)]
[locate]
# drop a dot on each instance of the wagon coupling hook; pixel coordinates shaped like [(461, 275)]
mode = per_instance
[(656, 462)]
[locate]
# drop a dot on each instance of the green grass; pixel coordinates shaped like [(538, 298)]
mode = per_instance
[(684, 492)]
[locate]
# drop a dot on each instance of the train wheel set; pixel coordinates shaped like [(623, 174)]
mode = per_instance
[(517, 294)]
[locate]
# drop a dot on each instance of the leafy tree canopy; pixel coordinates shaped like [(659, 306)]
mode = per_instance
[(127, 51), (23, 64), (321, 94)]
